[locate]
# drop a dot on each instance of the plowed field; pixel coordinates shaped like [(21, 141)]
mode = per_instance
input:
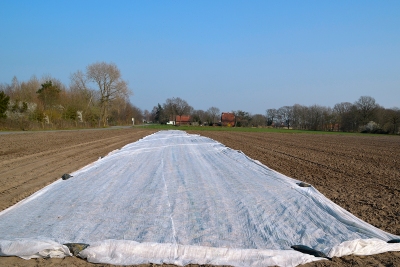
[(360, 173), (30, 161)]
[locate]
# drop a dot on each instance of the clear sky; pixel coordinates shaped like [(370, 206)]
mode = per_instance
[(248, 55)]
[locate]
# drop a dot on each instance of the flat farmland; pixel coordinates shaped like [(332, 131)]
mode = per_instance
[(359, 173), (30, 161)]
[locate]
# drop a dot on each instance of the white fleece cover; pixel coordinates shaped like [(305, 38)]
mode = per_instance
[(173, 197)]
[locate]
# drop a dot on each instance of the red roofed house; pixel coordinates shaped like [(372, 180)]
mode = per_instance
[(183, 120), (227, 119)]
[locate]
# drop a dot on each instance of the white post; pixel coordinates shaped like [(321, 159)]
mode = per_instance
[(133, 121)]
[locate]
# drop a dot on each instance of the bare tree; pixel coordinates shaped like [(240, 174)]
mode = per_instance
[(314, 117), (147, 116), (388, 120), (286, 114), (271, 116), (258, 120), (108, 79), (242, 118), (339, 111), (366, 107), (121, 112), (176, 106), (4, 100), (24, 91), (79, 81), (169, 109), (83, 95), (28, 90), (199, 116), (15, 85), (393, 118), (214, 113), (299, 119), (182, 108)]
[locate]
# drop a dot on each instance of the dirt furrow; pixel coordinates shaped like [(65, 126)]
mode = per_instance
[(29, 162), (24, 174), (29, 157), (358, 176)]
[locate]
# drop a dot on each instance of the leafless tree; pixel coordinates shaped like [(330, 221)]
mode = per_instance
[(299, 120), (286, 114), (242, 118), (111, 86), (271, 116), (366, 107), (79, 81), (214, 114), (393, 118), (169, 109), (147, 115), (315, 117), (258, 120), (85, 97), (24, 91), (339, 112), (121, 113), (176, 106), (388, 119), (199, 116), (15, 85), (182, 107), (29, 88)]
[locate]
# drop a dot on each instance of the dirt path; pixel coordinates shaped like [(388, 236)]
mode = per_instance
[(360, 173)]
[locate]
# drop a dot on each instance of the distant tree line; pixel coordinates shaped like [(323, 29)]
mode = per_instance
[(364, 115), (97, 97), (176, 106)]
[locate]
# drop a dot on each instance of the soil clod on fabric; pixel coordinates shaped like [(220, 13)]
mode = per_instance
[(304, 184), (66, 176)]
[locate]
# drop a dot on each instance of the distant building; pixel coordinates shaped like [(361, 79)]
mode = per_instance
[(183, 120), (228, 119)]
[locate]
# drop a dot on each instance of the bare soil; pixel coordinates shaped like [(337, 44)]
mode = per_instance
[(360, 173), (30, 161)]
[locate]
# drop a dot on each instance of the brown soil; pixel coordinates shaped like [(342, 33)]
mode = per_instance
[(360, 173), (30, 161)]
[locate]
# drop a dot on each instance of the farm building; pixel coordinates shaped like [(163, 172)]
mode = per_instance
[(183, 120), (228, 119)]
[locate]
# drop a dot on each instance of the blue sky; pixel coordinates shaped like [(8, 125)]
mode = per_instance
[(248, 55)]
